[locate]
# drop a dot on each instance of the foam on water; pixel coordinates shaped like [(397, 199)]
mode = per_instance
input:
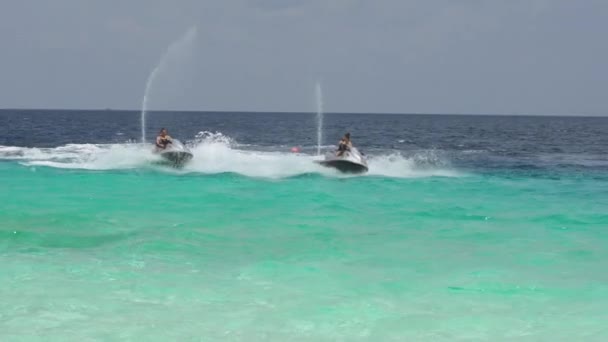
[(423, 164), (83, 156), (215, 153)]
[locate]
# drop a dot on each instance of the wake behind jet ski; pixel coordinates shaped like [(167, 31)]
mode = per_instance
[(347, 159), (172, 150)]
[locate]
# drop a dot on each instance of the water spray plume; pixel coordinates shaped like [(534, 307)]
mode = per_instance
[(177, 47), (319, 97)]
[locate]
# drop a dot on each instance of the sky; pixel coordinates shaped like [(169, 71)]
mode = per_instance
[(537, 57)]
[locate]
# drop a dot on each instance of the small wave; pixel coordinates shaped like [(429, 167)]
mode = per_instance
[(216, 153)]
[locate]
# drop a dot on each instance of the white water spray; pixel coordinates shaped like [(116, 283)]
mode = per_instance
[(319, 96), (185, 41), (215, 153)]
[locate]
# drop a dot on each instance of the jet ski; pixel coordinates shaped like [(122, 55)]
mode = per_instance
[(351, 161), (175, 154)]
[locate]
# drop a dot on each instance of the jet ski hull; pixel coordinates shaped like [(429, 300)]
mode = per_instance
[(176, 158), (345, 166), (351, 161), (175, 155)]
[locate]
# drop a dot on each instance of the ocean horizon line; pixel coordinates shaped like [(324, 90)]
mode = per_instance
[(97, 110)]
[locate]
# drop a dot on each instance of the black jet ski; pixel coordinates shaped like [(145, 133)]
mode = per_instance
[(175, 154), (351, 161)]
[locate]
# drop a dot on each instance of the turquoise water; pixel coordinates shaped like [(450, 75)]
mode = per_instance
[(152, 254)]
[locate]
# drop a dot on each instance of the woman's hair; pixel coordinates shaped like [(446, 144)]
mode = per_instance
[(347, 135)]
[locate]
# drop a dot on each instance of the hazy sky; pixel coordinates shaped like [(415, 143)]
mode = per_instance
[(399, 56)]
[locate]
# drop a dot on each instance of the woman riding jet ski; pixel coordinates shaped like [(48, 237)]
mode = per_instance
[(162, 140), (172, 149), (344, 145), (347, 159)]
